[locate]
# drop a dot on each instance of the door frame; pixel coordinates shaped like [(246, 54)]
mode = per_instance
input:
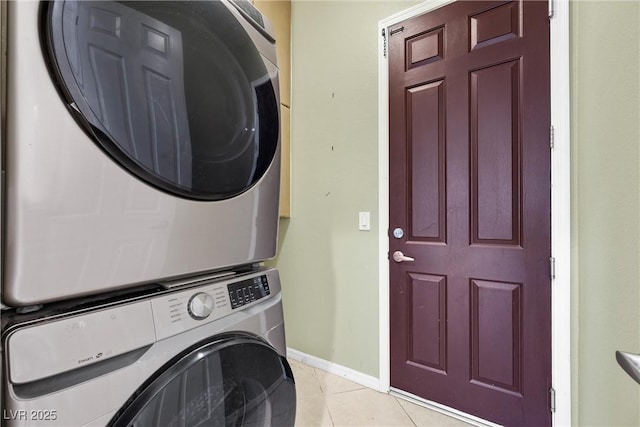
[(560, 202)]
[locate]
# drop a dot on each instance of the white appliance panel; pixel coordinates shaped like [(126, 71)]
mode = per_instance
[(67, 344)]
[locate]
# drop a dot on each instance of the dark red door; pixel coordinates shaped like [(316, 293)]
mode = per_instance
[(470, 202)]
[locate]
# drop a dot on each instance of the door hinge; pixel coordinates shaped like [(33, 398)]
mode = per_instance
[(551, 9), (384, 42), (396, 31), (552, 267), (552, 398), (552, 137)]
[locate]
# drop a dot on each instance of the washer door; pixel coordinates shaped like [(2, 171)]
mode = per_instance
[(231, 380), (176, 92)]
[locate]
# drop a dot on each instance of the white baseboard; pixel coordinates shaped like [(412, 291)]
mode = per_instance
[(335, 369)]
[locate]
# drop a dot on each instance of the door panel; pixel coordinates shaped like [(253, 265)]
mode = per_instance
[(495, 154), (496, 309), (427, 299), (425, 112), (470, 185)]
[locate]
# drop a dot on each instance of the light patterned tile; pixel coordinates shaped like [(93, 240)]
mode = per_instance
[(312, 412), (332, 384), (425, 417), (366, 407), (307, 384)]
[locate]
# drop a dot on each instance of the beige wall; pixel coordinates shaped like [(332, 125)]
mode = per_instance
[(330, 269), (605, 49)]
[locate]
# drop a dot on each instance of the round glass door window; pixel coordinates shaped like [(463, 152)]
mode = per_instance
[(234, 380), (176, 92)]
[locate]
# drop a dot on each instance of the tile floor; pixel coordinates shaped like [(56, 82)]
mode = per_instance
[(329, 400)]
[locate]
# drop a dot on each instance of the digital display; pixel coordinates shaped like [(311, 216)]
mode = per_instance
[(248, 291)]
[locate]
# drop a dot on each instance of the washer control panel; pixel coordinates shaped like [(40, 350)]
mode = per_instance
[(99, 334), (248, 291), (192, 307)]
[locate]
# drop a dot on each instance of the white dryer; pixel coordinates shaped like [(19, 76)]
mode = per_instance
[(212, 354), (142, 143)]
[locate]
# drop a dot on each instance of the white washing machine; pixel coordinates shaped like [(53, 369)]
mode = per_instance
[(209, 354), (141, 143)]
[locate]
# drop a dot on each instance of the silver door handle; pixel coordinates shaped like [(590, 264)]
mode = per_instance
[(398, 256), (630, 363)]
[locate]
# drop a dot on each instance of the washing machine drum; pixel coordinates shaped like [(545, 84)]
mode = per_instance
[(234, 380), (175, 92)]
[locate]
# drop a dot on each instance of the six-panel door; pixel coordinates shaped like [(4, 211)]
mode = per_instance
[(470, 187)]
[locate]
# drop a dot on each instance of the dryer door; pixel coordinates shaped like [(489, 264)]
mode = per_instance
[(231, 380), (176, 92)]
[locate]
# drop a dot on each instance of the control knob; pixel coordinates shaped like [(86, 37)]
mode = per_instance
[(200, 305)]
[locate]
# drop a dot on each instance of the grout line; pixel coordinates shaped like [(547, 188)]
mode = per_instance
[(325, 374), (315, 374), (350, 391), (405, 411), (323, 391), (468, 419), (318, 382), (329, 412)]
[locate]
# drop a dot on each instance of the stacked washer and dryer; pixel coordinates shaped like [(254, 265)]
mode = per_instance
[(141, 164)]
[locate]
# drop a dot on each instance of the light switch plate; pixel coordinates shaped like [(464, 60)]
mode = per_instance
[(364, 221)]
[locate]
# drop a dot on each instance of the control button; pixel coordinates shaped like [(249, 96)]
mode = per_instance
[(200, 305)]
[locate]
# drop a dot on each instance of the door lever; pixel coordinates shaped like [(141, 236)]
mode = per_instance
[(398, 256), (630, 363)]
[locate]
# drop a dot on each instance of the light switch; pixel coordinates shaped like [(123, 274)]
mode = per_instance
[(364, 221)]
